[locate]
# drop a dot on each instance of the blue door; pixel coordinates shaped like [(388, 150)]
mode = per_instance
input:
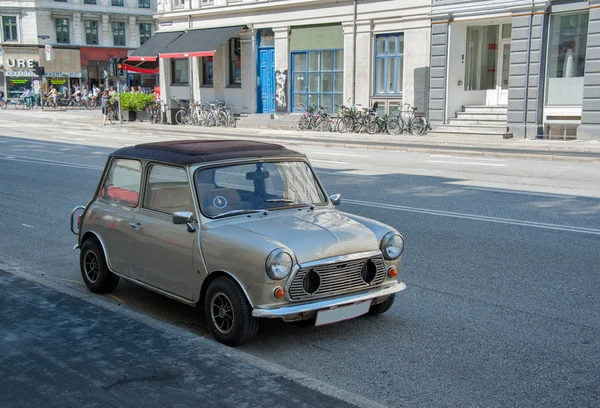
[(266, 87)]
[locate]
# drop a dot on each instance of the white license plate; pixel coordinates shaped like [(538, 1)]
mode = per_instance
[(338, 314)]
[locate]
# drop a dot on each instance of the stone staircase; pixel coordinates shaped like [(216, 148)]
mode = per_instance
[(268, 121), (476, 121)]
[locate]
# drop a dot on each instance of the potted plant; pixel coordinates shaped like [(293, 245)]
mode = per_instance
[(133, 104)]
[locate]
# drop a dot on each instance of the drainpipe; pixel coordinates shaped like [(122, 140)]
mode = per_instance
[(527, 76), (191, 65), (354, 53)]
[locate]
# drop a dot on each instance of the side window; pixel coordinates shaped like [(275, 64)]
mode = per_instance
[(168, 190), (122, 183)]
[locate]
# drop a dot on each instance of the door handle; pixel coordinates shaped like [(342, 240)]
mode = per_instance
[(136, 225)]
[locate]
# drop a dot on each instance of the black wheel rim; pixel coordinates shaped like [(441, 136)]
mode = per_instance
[(91, 266), (221, 312)]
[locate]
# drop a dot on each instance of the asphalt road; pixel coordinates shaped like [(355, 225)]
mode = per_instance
[(501, 263)]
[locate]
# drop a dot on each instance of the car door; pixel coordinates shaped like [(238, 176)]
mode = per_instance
[(162, 253), (114, 209)]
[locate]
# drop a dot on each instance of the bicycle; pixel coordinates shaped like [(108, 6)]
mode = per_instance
[(415, 123), (306, 119)]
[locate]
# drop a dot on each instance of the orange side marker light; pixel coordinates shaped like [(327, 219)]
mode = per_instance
[(392, 272), (279, 293)]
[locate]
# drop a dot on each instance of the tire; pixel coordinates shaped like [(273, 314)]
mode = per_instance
[(222, 119), (94, 270), (372, 127), (303, 122), (179, 117), (382, 307), (236, 326), (394, 127), (346, 124), (418, 126), (111, 117)]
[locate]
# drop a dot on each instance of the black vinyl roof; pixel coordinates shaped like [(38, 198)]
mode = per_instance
[(184, 152), (156, 44), (207, 39)]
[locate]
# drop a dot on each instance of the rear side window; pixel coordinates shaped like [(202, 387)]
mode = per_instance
[(122, 182), (168, 190)]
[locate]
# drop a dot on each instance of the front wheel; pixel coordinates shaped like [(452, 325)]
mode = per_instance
[(418, 126), (303, 122), (94, 270), (394, 127), (228, 313), (382, 307)]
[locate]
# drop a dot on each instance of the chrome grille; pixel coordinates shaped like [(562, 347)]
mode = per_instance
[(340, 277)]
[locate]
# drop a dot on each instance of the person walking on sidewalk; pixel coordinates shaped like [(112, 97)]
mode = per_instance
[(104, 103)]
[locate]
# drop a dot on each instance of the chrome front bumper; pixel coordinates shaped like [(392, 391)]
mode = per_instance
[(294, 310)]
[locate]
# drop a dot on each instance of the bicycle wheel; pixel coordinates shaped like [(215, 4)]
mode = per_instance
[(222, 119), (394, 127), (111, 117), (372, 127), (303, 122), (345, 124), (179, 117), (417, 126)]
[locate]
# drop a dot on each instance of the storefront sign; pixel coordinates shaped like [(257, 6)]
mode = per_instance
[(64, 74), (19, 73), (48, 52), (20, 63)]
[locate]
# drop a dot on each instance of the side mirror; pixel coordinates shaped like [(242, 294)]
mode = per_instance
[(184, 217), (336, 199)]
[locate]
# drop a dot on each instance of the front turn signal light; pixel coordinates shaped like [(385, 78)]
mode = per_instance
[(392, 272), (279, 293)]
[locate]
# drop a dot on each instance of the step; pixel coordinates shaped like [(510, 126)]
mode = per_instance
[(484, 109), (476, 122), (482, 135), (482, 116), (473, 129)]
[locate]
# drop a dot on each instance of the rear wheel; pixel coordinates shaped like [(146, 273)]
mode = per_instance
[(111, 117), (303, 122), (394, 127), (94, 270), (418, 126), (382, 307), (345, 124), (228, 313)]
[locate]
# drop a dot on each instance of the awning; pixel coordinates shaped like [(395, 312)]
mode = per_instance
[(155, 45), (199, 43), (143, 67)]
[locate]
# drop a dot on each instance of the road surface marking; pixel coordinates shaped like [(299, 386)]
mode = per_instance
[(116, 298), (447, 156), (70, 280), (474, 217), (27, 225), (329, 161), (33, 160), (467, 163), (341, 154), (528, 193)]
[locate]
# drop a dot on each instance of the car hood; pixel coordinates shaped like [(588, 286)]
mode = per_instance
[(315, 235)]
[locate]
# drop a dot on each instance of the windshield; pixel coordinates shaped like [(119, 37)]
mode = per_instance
[(257, 186)]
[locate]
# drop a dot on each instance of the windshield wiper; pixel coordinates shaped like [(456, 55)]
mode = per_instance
[(238, 212), (288, 201)]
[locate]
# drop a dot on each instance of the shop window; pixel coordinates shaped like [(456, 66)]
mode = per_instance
[(144, 3), (91, 32), (566, 58), (235, 62), (145, 32), (118, 33), (117, 3), (180, 71), (482, 57), (62, 30), (9, 25), (207, 71), (389, 64), (317, 79)]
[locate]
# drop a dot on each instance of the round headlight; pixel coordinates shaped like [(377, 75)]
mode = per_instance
[(279, 264), (392, 245)]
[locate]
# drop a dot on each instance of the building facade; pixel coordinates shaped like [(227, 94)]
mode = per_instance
[(72, 39), (536, 62), (284, 54)]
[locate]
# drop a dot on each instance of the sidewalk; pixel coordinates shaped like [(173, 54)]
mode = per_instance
[(63, 351), (473, 145)]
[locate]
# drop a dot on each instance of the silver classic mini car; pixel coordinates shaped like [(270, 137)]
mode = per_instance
[(243, 230)]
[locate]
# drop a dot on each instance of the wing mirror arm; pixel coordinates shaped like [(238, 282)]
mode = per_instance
[(336, 199), (184, 217)]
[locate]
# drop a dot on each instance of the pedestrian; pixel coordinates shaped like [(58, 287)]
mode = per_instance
[(1, 98), (104, 103), (112, 92), (53, 95)]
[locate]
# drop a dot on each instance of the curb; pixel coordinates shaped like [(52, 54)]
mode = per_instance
[(181, 333)]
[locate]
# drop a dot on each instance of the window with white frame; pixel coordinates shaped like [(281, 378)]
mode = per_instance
[(91, 32), (178, 3), (9, 28), (117, 3), (118, 29), (145, 32), (235, 62), (62, 30), (389, 64), (144, 3), (89, 1), (180, 71)]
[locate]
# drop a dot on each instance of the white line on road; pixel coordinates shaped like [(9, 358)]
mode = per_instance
[(27, 225), (341, 154), (329, 161), (447, 156), (474, 217), (528, 193), (467, 163), (36, 160)]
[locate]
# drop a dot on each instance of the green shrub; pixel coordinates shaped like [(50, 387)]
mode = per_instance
[(135, 101)]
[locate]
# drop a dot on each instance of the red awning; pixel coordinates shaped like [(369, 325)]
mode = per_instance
[(140, 70)]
